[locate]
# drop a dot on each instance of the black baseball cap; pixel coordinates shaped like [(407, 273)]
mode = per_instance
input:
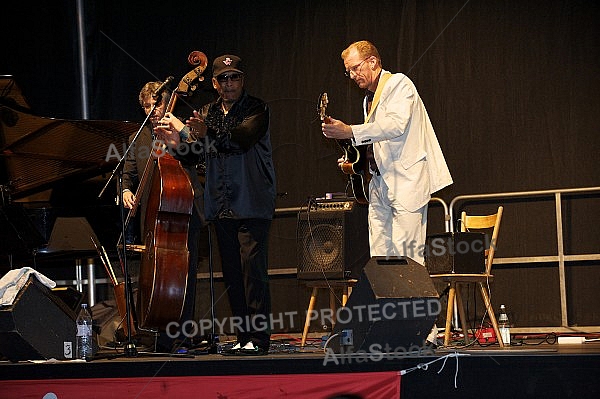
[(226, 63)]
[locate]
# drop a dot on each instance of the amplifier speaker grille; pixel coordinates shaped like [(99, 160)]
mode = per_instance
[(332, 243)]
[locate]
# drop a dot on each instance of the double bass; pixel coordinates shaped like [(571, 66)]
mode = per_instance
[(165, 256)]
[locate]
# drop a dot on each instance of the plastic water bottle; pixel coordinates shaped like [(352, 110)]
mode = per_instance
[(504, 326), (84, 333)]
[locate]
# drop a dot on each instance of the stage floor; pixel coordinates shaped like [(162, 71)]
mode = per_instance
[(533, 369)]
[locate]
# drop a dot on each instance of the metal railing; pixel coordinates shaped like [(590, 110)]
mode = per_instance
[(560, 258), (447, 216)]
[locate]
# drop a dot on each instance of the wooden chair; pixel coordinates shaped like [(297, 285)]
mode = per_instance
[(330, 285), (471, 223)]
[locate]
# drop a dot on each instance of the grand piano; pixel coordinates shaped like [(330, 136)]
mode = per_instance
[(53, 170)]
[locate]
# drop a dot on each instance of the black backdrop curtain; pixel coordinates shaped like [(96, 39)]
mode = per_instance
[(511, 86)]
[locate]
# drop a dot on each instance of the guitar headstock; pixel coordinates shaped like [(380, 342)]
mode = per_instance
[(322, 106)]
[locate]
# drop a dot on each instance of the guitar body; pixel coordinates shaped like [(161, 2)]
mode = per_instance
[(360, 188), (356, 166), (353, 156)]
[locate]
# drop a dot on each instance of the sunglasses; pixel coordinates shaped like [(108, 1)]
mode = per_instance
[(234, 77)]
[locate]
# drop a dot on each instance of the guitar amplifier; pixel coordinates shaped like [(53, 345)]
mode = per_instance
[(322, 205), (332, 240), (455, 252)]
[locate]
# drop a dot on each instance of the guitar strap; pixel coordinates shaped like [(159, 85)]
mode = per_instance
[(371, 164), (382, 80)]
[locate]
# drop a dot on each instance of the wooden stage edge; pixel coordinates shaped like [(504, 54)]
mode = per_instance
[(524, 371)]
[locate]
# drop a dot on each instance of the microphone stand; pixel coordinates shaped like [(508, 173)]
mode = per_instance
[(213, 339)]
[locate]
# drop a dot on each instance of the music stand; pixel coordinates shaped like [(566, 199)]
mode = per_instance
[(74, 234)]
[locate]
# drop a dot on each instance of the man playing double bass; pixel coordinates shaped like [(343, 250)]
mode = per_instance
[(135, 164)]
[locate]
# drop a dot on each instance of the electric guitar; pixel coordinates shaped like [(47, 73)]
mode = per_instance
[(355, 163)]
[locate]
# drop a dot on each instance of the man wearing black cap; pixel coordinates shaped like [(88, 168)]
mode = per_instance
[(234, 133)]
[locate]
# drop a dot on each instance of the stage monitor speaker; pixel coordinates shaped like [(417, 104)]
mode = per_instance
[(38, 325), (455, 253), (393, 307), (333, 241)]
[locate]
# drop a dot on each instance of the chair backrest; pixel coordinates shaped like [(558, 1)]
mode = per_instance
[(471, 222)]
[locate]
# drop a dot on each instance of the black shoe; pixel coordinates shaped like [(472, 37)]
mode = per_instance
[(430, 345), (233, 351), (253, 350)]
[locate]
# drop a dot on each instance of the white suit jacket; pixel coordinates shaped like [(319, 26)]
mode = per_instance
[(405, 146)]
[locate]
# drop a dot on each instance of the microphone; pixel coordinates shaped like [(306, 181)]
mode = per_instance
[(163, 86)]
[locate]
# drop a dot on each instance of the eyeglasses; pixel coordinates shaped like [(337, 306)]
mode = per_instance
[(234, 77), (355, 68)]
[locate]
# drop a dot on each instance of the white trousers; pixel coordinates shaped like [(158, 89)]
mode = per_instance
[(394, 231)]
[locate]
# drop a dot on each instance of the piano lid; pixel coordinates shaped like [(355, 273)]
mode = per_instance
[(38, 152)]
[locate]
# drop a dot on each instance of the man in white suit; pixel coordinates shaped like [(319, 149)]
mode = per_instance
[(407, 163)]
